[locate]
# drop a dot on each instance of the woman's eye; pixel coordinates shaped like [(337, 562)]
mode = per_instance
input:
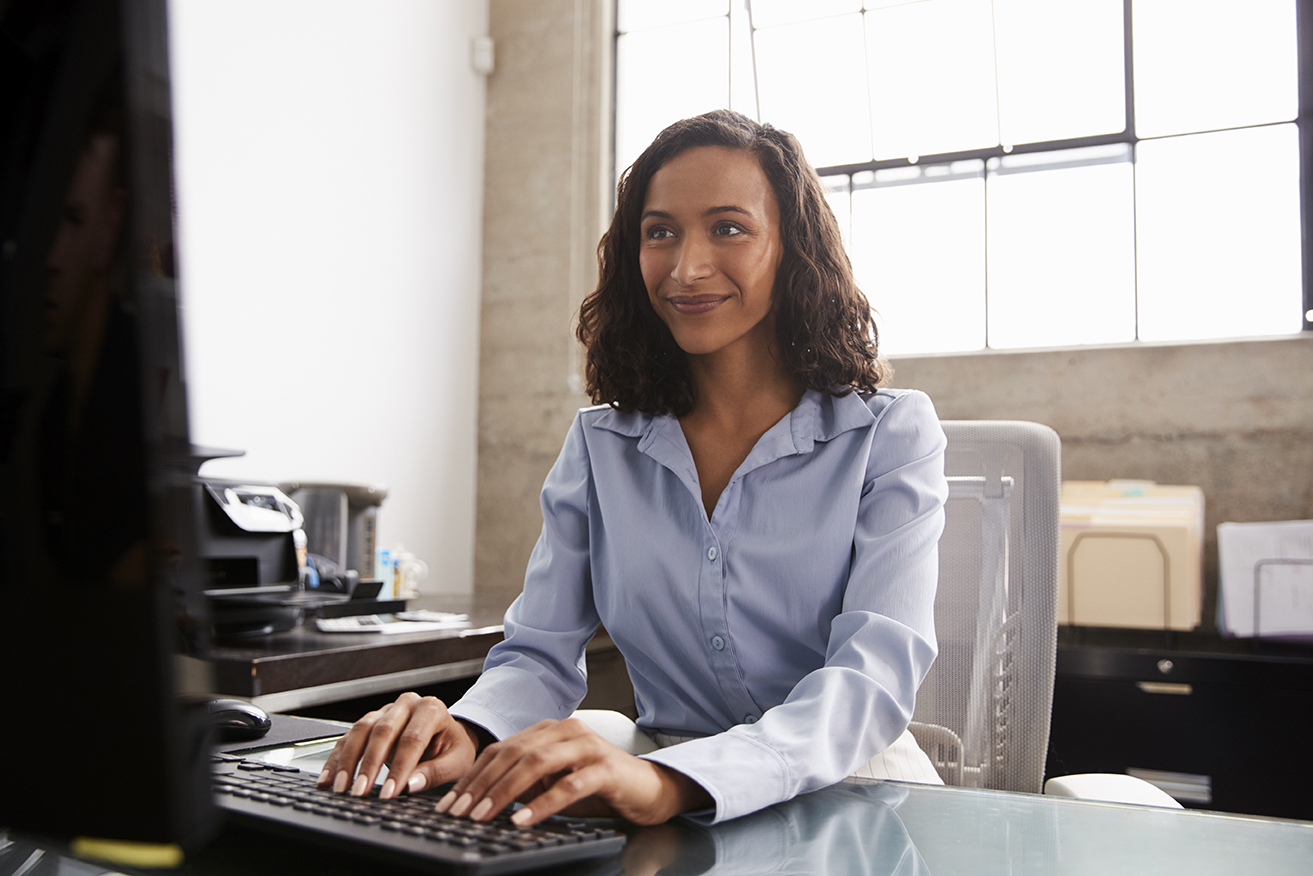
[(658, 232), (727, 229)]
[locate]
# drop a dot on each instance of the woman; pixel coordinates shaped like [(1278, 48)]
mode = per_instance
[(752, 519)]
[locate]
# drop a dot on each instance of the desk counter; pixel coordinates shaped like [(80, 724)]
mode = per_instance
[(868, 828), (304, 667)]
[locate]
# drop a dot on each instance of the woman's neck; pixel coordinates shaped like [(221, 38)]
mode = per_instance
[(738, 395), (743, 383)]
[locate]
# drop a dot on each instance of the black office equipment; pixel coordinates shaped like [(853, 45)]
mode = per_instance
[(1208, 719), (405, 830), (100, 592), (245, 535)]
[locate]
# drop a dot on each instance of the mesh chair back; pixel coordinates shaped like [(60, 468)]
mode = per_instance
[(982, 714)]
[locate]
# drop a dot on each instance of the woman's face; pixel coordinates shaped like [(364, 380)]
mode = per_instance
[(710, 248)]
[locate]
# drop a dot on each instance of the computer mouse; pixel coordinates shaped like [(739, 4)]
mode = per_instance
[(237, 719)]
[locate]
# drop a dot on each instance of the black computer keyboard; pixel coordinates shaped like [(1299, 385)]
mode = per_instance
[(405, 829)]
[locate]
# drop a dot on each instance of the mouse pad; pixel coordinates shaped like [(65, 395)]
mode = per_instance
[(286, 730)]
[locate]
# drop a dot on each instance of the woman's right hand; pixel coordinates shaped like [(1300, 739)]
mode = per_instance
[(422, 744)]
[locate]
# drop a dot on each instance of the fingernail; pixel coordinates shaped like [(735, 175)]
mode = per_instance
[(523, 817), (323, 777), (389, 788), (340, 783), (462, 805), (361, 785), (484, 807), (416, 783), (445, 803)]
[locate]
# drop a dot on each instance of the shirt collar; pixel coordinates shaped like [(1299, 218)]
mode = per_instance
[(817, 417)]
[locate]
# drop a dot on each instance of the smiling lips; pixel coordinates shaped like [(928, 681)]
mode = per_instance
[(693, 304)]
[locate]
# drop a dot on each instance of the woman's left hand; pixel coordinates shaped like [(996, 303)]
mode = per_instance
[(564, 767)]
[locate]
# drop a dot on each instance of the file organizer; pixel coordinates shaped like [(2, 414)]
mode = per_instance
[(1266, 579), (1132, 555)]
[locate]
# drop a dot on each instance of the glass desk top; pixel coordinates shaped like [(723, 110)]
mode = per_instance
[(868, 828)]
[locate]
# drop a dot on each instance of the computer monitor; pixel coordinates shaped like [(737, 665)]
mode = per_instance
[(99, 594)]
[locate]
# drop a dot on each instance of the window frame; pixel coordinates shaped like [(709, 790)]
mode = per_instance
[(1303, 121)]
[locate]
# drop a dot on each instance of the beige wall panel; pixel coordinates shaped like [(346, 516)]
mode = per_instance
[(1233, 418), (546, 194)]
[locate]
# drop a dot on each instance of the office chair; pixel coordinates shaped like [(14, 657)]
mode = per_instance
[(982, 714)]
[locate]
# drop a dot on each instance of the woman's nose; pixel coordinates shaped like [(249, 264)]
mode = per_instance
[(693, 263)]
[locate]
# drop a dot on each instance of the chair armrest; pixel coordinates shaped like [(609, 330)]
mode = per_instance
[(1110, 788)]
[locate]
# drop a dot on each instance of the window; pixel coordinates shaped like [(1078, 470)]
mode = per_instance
[(1017, 173)]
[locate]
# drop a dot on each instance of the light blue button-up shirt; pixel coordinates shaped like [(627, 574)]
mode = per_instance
[(791, 630)]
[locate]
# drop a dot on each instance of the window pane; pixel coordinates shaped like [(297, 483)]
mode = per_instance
[(1217, 219), (836, 193), (1061, 69), (1062, 249), (1207, 64), (768, 13), (657, 84), (919, 253), (812, 82), (932, 77), (641, 14)]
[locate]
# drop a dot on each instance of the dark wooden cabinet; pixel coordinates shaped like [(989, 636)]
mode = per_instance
[(1231, 719)]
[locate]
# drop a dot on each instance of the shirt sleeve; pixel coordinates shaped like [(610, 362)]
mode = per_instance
[(880, 646), (537, 671)]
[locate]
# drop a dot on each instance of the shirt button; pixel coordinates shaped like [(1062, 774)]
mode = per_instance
[(712, 553), (749, 719), (718, 643)]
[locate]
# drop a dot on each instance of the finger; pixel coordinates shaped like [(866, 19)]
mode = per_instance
[(536, 759), (347, 750), (359, 738), (491, 763), (568, 789), (447, 760), (409, 723), (426, 733), (485, 757)]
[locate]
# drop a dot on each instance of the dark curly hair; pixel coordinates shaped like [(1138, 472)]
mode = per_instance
[(825, 333)]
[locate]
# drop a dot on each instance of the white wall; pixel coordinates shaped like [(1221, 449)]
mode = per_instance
[(329, 159)]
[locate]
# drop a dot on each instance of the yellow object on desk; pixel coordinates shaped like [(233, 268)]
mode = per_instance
[(128, 853), (1132, 555)]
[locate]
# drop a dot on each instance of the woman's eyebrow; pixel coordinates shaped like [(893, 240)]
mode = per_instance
[(711, 211), (728, 208)]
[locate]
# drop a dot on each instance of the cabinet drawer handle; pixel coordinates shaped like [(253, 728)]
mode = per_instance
[(1165, 687)]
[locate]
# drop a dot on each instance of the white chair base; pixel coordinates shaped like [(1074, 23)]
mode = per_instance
[(1110, 788)]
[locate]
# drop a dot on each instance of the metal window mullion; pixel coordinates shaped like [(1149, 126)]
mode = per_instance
[(752, 47), (615, 99), (998, 88), (1128, 61), (1304, 54), (729, 55), (977, 154), (870, 85)]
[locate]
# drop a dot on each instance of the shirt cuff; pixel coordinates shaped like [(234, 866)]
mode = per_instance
[(485, 703), (741, 774)]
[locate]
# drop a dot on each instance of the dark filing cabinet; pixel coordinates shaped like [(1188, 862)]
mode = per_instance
[(1220, 724)]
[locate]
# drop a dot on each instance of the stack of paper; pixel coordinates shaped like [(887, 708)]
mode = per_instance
[(1132, 555), (1266, 572)]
